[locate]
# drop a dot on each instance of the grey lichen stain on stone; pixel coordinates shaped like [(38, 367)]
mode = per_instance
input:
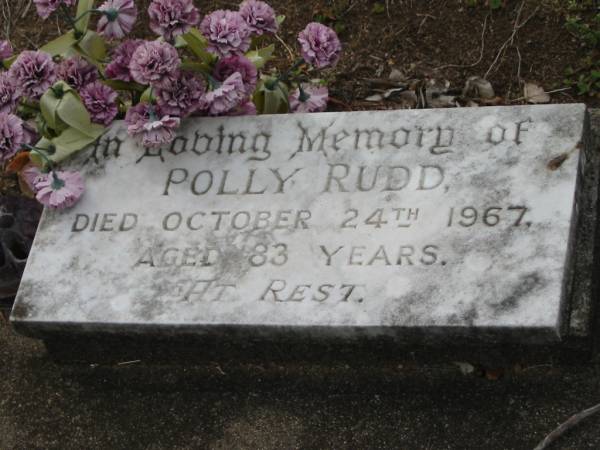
[(412, 309), (524, 286)]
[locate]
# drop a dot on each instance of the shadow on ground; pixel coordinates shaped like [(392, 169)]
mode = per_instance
[(229, 405)]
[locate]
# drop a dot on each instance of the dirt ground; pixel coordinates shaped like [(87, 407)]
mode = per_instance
[(441, 40)]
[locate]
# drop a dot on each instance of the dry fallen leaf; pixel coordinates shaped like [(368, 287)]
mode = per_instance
[(535, 94), (477, 87)]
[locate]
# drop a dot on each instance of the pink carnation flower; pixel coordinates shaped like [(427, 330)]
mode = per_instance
[(59, 190), (184, 96), (320, 45), (259, 16), (237, 63), (171, 18), (118, 69), (9, 96), (227, 32), (47, 7), (101, 102), (309, 99), (33, 73), (12, 135), (155, 63), (229, 95), (118, 18), (77, 72), (6, 50), (147, 123)]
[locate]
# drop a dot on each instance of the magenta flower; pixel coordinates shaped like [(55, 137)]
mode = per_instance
[(185, 95), (33, 73), (77, 72), (59, 190), (227, 32), (6, 50), (229, 95), (309, 99), (148, 124), (9, 96), (12, 135), (237, 63), (259, 16), (171, 18), (155, 63), (118, 18), (246, 109), (101, 102), (320, 45), (47, 7), (118, 69)]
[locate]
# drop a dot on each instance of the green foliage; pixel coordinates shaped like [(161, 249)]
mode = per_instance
[(271, 97), (586, 78), (68, 124), (261, 57), (378, 8)]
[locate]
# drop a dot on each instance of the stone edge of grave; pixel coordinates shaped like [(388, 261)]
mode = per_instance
[(581, 324)]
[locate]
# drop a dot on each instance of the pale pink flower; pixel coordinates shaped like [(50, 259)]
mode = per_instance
[(46, 7), (259, 16), (321, 46), (6, 50), (148, 124), (12, 135), (227, 32), (59, 189), (310, 99), (172, 18), (155, 63), (118, 18), (33, 73)]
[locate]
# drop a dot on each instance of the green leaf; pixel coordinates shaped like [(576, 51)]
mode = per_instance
[(147, 96), (260, 57), (60, 45), (197, 43), (195, 66), (119, 85), (48, 105), (82, 7), (71, 141), (378, 8), (73, 113), (272, 101), (35, 155), (92, 45), (280, 19), (6, 63)]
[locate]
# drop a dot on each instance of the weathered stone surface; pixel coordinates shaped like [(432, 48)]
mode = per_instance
[(378, 223)]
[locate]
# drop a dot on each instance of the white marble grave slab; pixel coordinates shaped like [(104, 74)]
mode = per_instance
[(386, 222)]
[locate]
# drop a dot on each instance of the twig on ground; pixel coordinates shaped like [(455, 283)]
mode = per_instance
[(425, 17), (545, 92), (465, 66), (341, 103), (517, 26), (127, 363), (289, 50), (566, 426)]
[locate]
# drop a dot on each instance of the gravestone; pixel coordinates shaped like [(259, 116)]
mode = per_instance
[(457, 222)]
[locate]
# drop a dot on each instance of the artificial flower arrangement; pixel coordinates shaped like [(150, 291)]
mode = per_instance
[(57, 100)]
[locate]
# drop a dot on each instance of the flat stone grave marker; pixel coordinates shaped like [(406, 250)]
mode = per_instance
[(365, 223)]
